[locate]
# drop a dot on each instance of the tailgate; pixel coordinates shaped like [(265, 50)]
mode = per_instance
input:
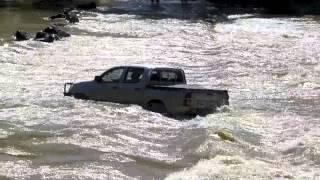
[(209, 98)]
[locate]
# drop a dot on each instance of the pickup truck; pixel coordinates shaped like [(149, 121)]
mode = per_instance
[(163, 90)]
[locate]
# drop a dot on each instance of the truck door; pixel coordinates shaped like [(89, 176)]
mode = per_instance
[(108, 88), (132, 88)]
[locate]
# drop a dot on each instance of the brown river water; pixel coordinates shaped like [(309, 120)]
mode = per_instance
[(269, 65)]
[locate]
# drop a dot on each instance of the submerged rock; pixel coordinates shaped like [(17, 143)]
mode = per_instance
[(57, 31), (225, 136), (72, 17), (58, 16), (50, 34), (51, 30), (45, 37), (40, 35), (22, 36), (70, 10), (69, 14)]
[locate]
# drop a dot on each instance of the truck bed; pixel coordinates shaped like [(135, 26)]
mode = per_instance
[(194, 88), (200, 94)]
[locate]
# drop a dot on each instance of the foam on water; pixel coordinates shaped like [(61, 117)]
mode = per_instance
[(265, 147), (235, 167)]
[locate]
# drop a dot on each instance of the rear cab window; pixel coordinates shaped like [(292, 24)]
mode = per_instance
[(166, 77)]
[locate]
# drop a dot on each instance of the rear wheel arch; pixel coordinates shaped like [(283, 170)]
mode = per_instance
[(156, 105)]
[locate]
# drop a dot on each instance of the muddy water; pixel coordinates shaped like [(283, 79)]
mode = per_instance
[(270, 65), (18, 18)]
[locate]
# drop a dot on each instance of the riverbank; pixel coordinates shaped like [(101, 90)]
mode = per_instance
[(51, 4), (289, 7)]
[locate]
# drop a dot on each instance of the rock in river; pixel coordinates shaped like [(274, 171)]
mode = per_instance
[(22, 36), (58, 16), (57, 31), (72, 17), (45, 37)]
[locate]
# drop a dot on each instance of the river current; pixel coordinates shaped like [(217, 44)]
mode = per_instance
[(269, 65)]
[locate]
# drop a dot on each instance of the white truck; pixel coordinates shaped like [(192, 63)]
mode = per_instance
[(162, 90)]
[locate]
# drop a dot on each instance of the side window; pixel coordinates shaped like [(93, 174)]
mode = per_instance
[(134, 75), (166, 76), (155, 76), (113, 75)]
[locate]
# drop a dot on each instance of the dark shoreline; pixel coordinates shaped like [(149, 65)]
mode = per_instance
[(273, 7), (213, 13)]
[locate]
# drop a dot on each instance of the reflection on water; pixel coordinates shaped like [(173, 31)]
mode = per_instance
[(270, 65)]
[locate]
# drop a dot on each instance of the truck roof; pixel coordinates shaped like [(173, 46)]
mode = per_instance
[(150, 67)]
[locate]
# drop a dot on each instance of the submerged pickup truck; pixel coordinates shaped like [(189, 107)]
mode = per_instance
[(162, 90)]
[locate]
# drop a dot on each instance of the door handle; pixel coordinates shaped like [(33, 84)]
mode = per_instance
[(137, 89), (114, 87)]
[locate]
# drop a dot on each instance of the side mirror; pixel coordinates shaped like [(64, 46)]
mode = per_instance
[(98, 79)]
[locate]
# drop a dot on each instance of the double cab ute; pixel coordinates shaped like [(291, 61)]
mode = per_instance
[(162, 90)]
